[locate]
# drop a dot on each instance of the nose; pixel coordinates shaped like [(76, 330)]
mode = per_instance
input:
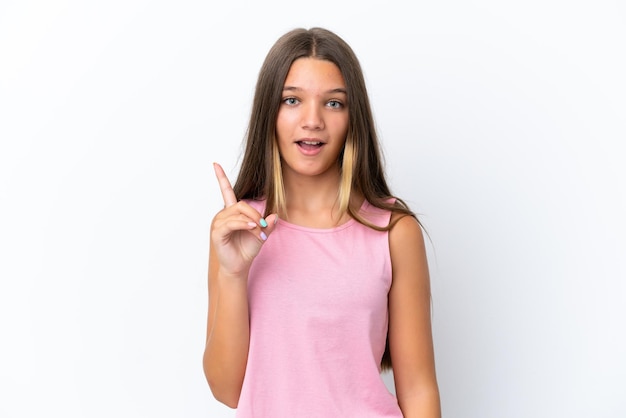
[(312, 118)]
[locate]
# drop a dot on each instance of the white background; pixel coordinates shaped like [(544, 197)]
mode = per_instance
[(503, 125)]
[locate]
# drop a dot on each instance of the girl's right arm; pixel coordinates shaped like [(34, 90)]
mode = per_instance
[(228, 328), (237, 234)]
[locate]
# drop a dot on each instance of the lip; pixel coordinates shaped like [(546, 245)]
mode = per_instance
[(306, 147)]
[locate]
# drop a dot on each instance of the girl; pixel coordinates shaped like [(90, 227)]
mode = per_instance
[(318, 278)]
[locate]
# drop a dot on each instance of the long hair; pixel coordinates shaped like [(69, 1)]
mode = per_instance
[(260, 176)]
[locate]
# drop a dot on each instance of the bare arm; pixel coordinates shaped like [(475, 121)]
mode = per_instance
[(410, 332), (236, 238)]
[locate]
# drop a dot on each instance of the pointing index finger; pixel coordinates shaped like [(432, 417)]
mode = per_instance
[(227, 190)]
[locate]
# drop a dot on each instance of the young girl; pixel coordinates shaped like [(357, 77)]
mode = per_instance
[(318, 278)]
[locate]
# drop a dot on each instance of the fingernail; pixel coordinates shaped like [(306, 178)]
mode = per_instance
[(263, 223), (251, 224), (275, 219), (263, 236)]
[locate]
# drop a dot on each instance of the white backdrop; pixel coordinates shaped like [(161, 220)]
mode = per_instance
[(503, 125)]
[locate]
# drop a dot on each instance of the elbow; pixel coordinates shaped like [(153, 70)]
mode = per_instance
[(229, 398), (221, 390)]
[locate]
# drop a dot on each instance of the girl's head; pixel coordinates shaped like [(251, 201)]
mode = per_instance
[(360, 161)]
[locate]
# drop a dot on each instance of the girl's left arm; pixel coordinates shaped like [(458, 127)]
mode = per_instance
[(410, 332)]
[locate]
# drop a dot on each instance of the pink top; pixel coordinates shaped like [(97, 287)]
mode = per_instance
[(318, 322)]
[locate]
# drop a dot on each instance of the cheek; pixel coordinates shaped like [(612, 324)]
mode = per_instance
[(340, 127), (280, 127), (283, 126), (282, 135)]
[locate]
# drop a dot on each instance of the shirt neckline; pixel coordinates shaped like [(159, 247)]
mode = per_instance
[(344, 225)]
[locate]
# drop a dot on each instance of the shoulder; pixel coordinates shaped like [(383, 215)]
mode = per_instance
[(405, 230), (406, 247), (380, 213)]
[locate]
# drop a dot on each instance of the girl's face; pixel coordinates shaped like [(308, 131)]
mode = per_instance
[(312, 120)]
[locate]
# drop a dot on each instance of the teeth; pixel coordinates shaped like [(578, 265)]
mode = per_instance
[(311, 142)]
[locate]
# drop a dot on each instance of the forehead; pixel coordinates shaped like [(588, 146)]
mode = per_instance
[(312, 72)]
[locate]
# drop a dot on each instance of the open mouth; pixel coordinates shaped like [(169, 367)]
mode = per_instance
[(310, 145)]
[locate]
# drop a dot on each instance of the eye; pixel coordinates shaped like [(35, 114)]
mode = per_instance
[(290, 101), (335, 104)]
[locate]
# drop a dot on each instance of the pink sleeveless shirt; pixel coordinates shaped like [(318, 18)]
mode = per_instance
[(318, 322)]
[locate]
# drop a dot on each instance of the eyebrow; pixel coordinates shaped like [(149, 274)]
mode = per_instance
[(337, 90)]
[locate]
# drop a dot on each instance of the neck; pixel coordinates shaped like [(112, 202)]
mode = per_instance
[(313, 200), (311, 192)]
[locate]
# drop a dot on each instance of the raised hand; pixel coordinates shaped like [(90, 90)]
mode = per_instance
[(237, 231)]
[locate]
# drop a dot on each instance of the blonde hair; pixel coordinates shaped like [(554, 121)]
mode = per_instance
[(280, 201)]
